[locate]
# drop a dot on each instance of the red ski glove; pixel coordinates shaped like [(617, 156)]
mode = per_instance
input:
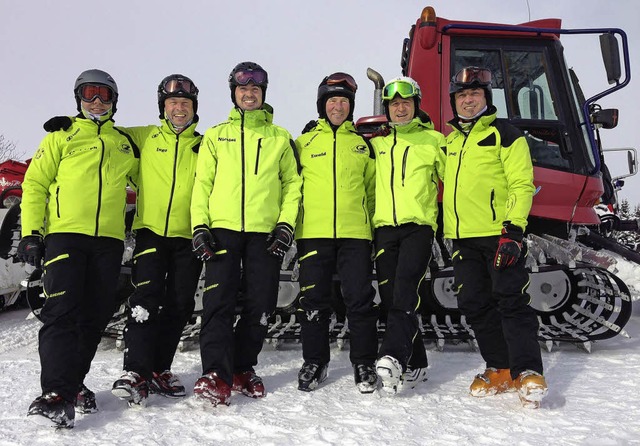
[(509, 246)]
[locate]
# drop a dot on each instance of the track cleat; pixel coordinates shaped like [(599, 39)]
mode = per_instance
[(311, 375), (531, 387), (365, 377), (86, 401), (249, 384), (390, 372), (167, 384), (491, 382), (412, 377), (51, 409), (131, 388), (212, 388)]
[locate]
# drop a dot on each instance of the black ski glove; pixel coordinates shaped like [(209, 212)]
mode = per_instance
[(310, 126), (58, 123), (204, 244), (280, 240), (509, 246), (31, 250)]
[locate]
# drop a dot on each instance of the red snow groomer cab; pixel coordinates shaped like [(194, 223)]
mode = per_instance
[(573, 288), (11, 176)]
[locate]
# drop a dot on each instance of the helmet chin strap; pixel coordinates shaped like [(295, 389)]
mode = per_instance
[(465, 119), (98, 118), (176, 128)]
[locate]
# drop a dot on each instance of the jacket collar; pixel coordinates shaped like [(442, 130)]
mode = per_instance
[(263, 115)]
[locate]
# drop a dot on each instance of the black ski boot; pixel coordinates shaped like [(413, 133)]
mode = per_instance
[(86, 401), (310, 375), (51, 409)]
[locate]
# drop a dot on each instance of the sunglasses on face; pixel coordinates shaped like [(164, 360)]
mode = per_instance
[(404, 89), (89, 93)]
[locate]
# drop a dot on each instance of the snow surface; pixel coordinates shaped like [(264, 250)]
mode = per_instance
[(593, 399)]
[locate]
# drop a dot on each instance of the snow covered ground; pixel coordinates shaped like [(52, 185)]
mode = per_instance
[(593, 400)]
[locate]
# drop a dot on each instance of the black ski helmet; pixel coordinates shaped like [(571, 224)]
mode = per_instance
[(246, 72), (336, 84), (470, 77), (177, 85), (95, 76)]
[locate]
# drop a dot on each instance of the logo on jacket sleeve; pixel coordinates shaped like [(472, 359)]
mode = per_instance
[(125, 148)]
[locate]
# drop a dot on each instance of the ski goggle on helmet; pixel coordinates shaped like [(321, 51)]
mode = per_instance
[(405, 87), (341, 79), (243, 77), (470, 76), (179, 85), (89, 92)]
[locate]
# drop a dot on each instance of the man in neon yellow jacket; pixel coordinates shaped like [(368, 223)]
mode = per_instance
[(73, 205), (165, 272), (334, 235), (243, 211), (409, 165), (488, 191)]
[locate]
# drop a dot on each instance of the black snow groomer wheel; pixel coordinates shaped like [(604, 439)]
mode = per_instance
[(579, 304), (34, 292)]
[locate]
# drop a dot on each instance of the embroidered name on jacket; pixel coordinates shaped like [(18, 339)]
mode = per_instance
[(225, 139), (316, 155)]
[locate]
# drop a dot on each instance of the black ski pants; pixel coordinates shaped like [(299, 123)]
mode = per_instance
[(165, 275), (319, 259), (244, 265), (403, 254), (496, 305), (80, 282)]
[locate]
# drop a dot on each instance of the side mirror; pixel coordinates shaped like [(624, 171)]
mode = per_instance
[(606, 119), (611, 57)]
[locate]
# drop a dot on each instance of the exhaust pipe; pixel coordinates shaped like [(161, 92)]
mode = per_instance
[(378, 81)]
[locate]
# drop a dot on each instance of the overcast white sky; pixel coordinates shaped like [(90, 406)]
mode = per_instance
[(45, 44)]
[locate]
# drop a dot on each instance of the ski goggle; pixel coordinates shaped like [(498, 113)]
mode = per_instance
[(341, 78), (470, 75), (89, 92), (180, 85), (402, 88), (258, 77)]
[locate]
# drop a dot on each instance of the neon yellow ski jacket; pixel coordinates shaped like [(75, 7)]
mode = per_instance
[(247, 175), (165, 181), (488, 179), (409, 162), (338, 183), (76, 182)]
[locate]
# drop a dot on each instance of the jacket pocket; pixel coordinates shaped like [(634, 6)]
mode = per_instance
[(405, 155), (58, 201), (258, 156), (492, 204)]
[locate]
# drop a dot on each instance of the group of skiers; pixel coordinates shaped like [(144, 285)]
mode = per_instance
[(236, 197)]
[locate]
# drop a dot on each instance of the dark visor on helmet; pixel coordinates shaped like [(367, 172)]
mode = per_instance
[(342, 78), (89, 92), (258, 77), (473, 74), (179, 85), (402, 88)]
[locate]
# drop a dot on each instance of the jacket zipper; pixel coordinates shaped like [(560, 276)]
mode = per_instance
[(491, 204), (99, 183), (58, 201), (335, 188), (393, 195), (173, 185), (455, 189), (242, 193), (258, 156), (404, 164)]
